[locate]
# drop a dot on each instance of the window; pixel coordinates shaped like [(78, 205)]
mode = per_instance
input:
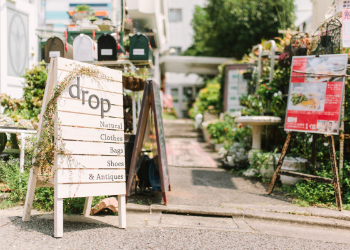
[(175, 51), (175, 94), (175, 15)]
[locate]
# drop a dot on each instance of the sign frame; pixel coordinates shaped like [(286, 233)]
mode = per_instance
[(304, 75), (63, 186), (150, 100)]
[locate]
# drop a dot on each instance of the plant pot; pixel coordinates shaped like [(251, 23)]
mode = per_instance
[(251, 172), (301, 52), (285, 89), (218, 146), (130, 83), (247, 75), (142, 84), (127, 101), (294, 165), (136, 84), (326, 41), (268, 113), (267, 173), (3, 187), (125, 81)]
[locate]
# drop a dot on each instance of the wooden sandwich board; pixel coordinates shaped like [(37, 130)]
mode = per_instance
[(92, 132), (150, 101)]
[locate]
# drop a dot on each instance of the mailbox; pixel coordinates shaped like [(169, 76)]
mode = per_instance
[(139, 48), (55, 47), (107, 48), (84, 49)]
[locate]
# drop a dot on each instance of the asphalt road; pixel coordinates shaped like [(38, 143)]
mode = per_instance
[(38, 234)]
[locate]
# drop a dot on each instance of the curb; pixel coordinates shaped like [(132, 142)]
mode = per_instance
[(244, 214)]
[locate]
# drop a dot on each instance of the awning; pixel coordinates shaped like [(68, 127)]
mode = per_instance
[(193, 64)]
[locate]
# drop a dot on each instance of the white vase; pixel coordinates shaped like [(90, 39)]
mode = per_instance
[(267, 173), (250, 172), (218, 146), (293, 164)]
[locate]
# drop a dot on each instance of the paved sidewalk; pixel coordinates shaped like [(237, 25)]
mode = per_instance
[(200, 187)]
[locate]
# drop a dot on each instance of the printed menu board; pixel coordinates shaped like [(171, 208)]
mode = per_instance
[(235, 86), (315, 93)]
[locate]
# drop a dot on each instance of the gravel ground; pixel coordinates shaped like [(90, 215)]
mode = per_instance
[(37, 234)]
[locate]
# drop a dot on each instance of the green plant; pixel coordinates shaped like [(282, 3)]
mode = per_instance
[(43, 197), (229, 28), (262, 160), (29, 106), (208, 99), (220, 131), (3, 141), (84, 7), (14, 180)]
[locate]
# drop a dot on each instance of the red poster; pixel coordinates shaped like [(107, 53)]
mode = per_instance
[(315, 93)]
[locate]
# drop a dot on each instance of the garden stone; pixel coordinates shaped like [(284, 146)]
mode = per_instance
[(110, 203)]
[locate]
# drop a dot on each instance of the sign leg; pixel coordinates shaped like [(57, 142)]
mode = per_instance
[(87, 206), (335, 172), (165, 199), (280, 161), (30, 194), (314, 150), (121, 211), (58, 217), (21, 158)]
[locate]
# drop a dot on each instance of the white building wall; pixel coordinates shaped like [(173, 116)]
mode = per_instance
[(19, 45), (181, 33)]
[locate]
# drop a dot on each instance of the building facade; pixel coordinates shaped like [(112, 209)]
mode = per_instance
[(19, 43), (182, 86)]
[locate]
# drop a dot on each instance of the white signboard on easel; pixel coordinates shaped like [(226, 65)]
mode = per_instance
[(90, 122)]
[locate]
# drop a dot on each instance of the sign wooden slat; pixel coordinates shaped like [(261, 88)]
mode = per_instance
[(70, 176), (94, 148), (89, 121), (114, 98), (86, 190), (69, 65), (91, 134), (76, 106), (89, 83), (88, 161)]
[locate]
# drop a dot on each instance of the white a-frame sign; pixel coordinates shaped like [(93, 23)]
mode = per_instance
[(90, 122)]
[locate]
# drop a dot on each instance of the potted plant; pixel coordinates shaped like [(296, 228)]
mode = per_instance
[(266, 93), (284, 60), (82, 11), (301, 45), (134, 82), (293, 163), (247, 75), (127, 44)]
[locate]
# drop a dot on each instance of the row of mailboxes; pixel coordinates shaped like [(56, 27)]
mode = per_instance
[(84, 49)]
